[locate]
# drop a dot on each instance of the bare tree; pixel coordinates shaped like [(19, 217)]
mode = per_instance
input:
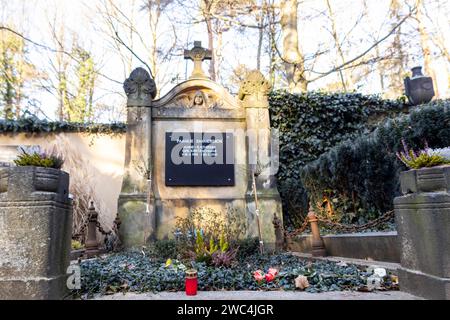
[(293, 57)]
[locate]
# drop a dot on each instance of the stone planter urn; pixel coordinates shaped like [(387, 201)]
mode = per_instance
[(419, 88), (423, 224), (35, 232)]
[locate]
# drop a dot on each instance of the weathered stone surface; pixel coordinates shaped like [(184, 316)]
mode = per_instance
[(424, 285), (432, 179), (267, 207), (198, 55), (35, 233), (134, 208), (423, 223), (254, 90), (136, 224), (140, 88), (197, 105), (378, 246), (253, 93)]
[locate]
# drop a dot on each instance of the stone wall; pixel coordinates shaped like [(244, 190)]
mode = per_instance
[(103, 155)]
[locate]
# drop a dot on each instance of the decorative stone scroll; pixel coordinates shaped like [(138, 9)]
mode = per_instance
[(254, 90), (140, 88)]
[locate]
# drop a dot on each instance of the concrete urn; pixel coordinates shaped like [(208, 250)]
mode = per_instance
[(419, 88)]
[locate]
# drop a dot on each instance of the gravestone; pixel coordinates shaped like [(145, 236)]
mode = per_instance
[(196, 147)]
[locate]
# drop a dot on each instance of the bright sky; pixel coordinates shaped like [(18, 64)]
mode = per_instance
[(81, 18)]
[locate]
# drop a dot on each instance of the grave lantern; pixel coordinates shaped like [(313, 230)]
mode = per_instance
[(191, 282)]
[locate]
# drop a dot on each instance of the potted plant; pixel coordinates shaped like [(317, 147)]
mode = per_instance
[(429, 170), (36, 170)]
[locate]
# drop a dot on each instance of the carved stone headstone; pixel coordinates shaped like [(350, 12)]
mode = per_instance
[(188, 150)]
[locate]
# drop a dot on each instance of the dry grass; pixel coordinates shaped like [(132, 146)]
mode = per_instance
[(81, 187)]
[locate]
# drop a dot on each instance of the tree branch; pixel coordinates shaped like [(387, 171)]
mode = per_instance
[(53, 50), (335, 69)]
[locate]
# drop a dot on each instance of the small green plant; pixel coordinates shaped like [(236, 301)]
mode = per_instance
[(77, 245), (36, 157), (202, 251), (212, 253), (421, 158)]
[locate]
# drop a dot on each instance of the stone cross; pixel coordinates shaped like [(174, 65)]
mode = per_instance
[(198, 55)]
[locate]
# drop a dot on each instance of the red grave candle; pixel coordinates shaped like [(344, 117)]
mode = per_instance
[(191, 282)]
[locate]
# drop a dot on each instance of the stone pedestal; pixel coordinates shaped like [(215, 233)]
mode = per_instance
[(35, 233), (136, 200), (262, 158), (423, 222)]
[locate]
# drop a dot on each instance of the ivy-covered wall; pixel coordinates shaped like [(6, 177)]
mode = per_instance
[(311, 124), (32, 124), (359, 178)]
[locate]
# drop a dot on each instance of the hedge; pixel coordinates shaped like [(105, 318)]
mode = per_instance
[(32, 124), (359, 177), (311, 124)]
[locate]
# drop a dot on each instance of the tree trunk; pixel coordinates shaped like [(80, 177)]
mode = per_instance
[(260, 34), (212, 67), (425, 44), (292, 56)]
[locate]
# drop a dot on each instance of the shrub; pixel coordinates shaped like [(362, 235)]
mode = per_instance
[(164, 249), (358, 179), (212, 225), (247, 247), (36, 157), (311, 124)]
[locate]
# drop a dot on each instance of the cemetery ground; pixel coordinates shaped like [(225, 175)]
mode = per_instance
[(148, 274)]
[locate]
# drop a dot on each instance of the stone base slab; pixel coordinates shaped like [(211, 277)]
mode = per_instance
[(377, 246), (34, 289), (424, 285)]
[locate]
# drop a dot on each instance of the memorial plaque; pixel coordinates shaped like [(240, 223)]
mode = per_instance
[(199, 159)]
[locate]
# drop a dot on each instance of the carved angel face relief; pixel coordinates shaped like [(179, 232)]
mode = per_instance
[(199, 99)]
